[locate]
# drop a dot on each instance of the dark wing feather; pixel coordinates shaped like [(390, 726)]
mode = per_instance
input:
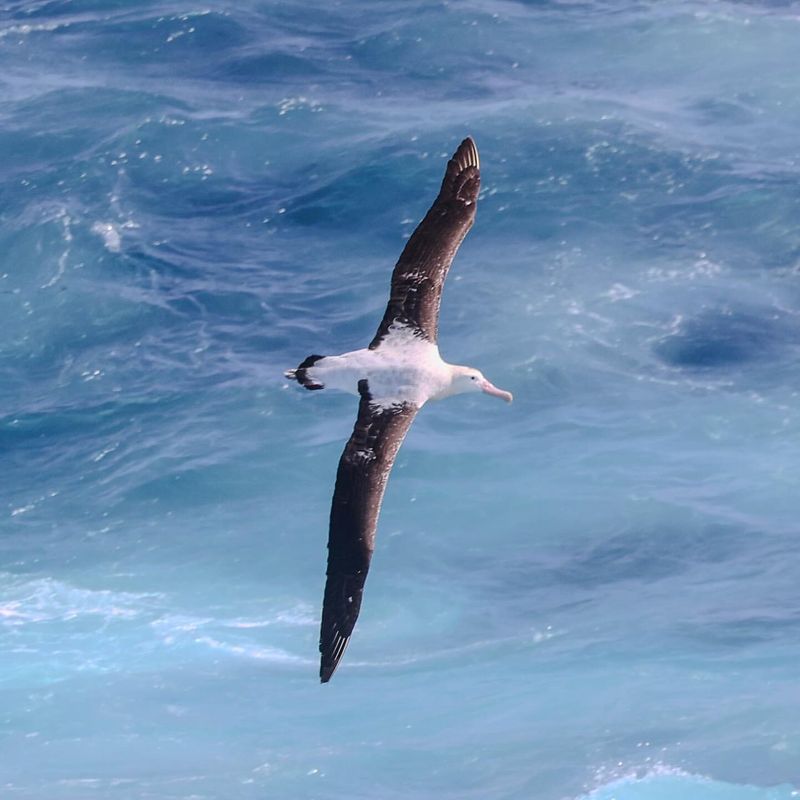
[(360, 482), (420, 273)]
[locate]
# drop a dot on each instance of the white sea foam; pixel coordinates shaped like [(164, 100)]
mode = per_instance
[(25, 29), (260, 653), (301, 615), (289, 104), (66, 223), (109, 232), (171, 626), (609, 778), (47, 600)]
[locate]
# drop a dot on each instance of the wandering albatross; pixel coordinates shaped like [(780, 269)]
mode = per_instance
[(394, 376)]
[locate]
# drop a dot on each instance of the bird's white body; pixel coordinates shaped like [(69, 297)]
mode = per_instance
[(404, 368)]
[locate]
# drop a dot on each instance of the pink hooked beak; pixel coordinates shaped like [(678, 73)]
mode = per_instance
[(490, 388)]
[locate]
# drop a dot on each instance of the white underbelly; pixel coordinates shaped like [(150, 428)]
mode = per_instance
[(394, 375)]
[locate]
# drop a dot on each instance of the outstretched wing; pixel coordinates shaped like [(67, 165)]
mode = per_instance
[(360, 482), (420, 273)]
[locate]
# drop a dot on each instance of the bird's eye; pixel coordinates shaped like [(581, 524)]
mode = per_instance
[(473, 377)]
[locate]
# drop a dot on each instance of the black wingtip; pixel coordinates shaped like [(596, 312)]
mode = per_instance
[(463, 175), (332, 653), (326, 673), (467, 154)]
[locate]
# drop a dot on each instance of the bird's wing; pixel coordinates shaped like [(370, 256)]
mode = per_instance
[(420, 273), (360, 482)]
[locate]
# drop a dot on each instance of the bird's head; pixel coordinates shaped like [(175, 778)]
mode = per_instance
[(469, 379)]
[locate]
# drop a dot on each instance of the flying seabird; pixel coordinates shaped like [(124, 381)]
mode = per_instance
[(394, 376)]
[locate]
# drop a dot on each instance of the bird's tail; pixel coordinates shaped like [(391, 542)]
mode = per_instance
[(302, 376)]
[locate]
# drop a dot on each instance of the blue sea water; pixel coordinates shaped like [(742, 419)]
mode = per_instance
[(591, 594)]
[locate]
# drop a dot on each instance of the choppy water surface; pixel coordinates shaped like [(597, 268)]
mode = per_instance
[(592, 594)]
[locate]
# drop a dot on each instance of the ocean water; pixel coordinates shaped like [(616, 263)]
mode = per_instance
[(592, 594)]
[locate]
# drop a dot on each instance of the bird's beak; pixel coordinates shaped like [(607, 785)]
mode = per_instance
[(490, 388)]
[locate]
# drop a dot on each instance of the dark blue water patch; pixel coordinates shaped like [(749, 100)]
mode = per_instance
[(566, 177), (744, 630), (725, 337), (650, 555), (766, 4), (341, 201), (35, 428), (268, 68), (181, 486), (544, 580), (25, 10), (375, 193), (414, 48), (180, 199), (154, 43), (593, 9), (718, 111), (593, 177), (55, 129)]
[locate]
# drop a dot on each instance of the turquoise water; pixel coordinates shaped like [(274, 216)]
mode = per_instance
[(591, 594)]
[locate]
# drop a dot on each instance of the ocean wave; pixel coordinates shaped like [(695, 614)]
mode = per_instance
[(659, 781)]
